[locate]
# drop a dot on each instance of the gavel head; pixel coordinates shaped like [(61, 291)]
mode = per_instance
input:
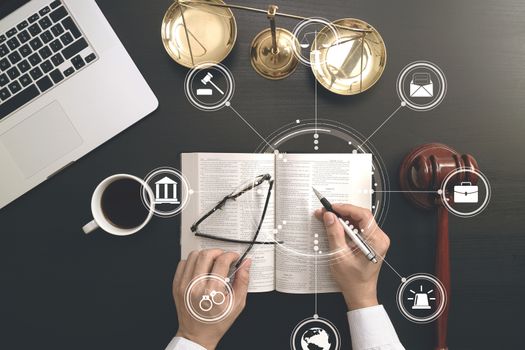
[(207, 78), (427, 166)]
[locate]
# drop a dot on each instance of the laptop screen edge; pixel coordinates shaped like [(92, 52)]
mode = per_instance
[(9, 6)]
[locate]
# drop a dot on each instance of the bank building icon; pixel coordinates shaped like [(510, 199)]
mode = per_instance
[(166, 191)]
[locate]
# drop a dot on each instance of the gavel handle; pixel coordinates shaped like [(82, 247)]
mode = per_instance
[(443, 274)]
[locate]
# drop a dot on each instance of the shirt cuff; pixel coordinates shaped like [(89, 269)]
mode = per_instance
[(371, 328), (179, 343)]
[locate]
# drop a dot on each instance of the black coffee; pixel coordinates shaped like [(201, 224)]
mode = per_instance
[(122, 204)]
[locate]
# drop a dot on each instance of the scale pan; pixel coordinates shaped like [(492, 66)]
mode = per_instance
[(347, 62), (193, 33)]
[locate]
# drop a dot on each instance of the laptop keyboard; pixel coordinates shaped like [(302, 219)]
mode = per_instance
[(40, 52)]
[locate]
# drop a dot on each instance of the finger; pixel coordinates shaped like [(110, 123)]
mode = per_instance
[(361, 217), (189, 266), (206, 260), (221, 268), (241, 282), (222, 264), (358, 215), (318, 213), (334, 231), (363, 220), (178, 273), (371, 233), (365, 223), (379, 242)]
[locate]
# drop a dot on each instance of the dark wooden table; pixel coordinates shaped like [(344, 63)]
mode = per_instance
[(61, 289)]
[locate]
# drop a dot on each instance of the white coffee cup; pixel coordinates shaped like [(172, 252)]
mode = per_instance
[(100, 221)]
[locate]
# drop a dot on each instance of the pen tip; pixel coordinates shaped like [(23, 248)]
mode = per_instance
[(319, 195)]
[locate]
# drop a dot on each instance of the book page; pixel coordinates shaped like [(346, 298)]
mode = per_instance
[(342, 178), (213, 176)]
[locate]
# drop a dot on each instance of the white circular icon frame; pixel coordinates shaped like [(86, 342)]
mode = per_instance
[(483, 205), (185, 191), (401, 91), (316, 319), (230, 296), (439, 286), (188, 82)]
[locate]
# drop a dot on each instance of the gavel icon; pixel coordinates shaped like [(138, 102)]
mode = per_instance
[(421, 176), (207, 79)]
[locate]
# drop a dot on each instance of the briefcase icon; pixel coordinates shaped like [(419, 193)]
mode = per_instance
[(466, 193), (421, 85)]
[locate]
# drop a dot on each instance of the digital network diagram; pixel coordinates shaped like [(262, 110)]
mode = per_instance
[(421, 86)]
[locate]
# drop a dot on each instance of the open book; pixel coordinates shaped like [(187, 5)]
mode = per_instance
[(287, 267)]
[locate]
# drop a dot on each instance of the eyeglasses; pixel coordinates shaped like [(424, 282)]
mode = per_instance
[(239, 191)]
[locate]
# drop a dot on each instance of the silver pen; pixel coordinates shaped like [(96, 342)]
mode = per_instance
[(355, 237)]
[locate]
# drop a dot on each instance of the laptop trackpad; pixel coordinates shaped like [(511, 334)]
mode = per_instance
[(41, 139)]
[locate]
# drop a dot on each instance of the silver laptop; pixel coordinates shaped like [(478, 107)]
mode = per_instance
[(66, 86)]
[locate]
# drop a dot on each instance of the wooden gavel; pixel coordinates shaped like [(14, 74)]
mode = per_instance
[(421, 175)]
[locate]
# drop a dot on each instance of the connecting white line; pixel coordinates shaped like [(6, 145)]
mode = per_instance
[(388, 264), (380, 126), (315, 295), (315, 103), (360, 147), (407, 191), (403, 279), (251, 127)]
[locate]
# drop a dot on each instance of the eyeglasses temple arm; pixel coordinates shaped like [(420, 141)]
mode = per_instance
[(195, 226), (265, 177), (232, 240), (219, 205), (241, 259)]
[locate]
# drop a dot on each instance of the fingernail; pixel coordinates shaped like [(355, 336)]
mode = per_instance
[(317, 211), (329, 219)]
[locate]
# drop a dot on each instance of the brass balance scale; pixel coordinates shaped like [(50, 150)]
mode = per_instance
[(347, 56)]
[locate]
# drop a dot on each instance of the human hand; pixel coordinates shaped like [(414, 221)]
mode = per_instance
[(354, 273), (217, 262)]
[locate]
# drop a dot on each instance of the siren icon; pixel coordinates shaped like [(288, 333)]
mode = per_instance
[(421, 299)]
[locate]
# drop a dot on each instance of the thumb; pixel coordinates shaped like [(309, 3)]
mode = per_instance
[(334, 231), (241, 281)]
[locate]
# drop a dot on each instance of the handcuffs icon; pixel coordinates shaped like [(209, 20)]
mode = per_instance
[(209, 300)]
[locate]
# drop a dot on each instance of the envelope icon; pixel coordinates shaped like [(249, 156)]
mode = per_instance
[(465, 193), (421, 85)]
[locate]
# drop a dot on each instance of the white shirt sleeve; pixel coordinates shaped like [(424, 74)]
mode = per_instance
[(371, 329), (179, 343)]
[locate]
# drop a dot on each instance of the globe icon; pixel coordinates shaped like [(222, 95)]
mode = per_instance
[(315, 338)]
